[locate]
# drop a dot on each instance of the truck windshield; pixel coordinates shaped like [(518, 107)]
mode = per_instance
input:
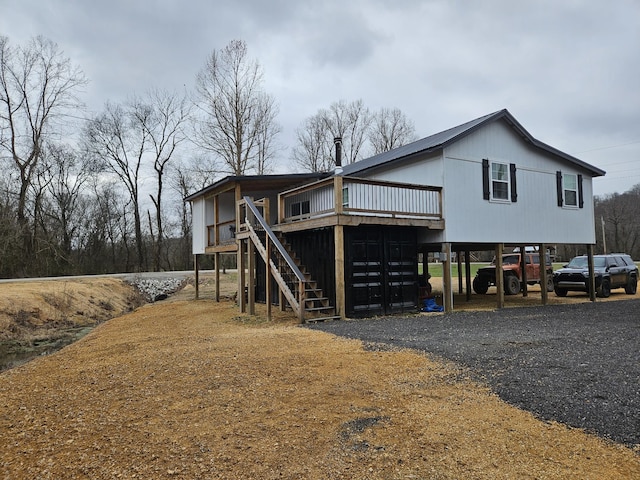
[(582, 262)]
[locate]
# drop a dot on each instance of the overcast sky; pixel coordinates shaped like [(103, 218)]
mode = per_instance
[(568, 70)]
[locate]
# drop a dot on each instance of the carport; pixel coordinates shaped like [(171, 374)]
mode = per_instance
[(463, 258)]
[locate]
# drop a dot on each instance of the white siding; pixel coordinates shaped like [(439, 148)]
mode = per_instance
[(199, 233), (534, 218), (425, 171)]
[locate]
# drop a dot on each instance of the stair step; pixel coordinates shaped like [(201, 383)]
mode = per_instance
[(315, 299), (322, 319), (318, 309)]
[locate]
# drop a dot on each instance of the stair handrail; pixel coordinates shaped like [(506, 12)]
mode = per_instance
[(274, 239)]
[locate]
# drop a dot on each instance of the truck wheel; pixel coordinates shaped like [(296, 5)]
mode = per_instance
[(549, 284), (480, 286), (632, 286), (511, 285), (605, 288), (561, 292)]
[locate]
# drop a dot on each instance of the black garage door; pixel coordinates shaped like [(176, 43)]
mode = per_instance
[(381, 270)]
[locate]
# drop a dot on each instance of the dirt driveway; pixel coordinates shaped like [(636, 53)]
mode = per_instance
[(192, 389)]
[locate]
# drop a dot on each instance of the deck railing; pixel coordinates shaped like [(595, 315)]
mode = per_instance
[(360, 196), (285, 271)]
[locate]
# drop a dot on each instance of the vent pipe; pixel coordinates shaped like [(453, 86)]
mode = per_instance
[(337, 141)]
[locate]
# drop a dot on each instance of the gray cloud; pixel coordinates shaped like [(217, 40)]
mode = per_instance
[(567, 70)]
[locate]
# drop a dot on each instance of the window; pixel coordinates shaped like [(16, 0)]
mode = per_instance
[(300, 208), (569, 188), (499, 181), (345, 197)]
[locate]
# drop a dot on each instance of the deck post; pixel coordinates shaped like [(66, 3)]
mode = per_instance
[(447, 294), (523, 269), (241, 282), (499, 276), (337, 194), (338, 238), (196, 271), (268, 284), (459, 259), (251, 282), (301, 300), (542, 248), (216, 261), (592, 278), (467, 273)]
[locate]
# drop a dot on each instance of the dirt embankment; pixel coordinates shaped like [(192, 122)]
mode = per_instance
[(38, 317), (193, 389)]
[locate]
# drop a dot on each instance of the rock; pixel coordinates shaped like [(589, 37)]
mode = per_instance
[(155, 289)]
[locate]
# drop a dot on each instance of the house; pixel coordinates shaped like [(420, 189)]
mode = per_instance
[(347, 242)]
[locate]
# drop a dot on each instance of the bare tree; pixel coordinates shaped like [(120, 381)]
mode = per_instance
[(390, 129), (621, 216), (162, 115), (356, 126), (121, 141), (238, 123), (349, 121), (38, 85), (65, 175), (313, 150)]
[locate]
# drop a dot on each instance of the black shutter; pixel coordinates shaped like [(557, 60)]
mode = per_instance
[(559, 187), (514, 187), (580, 194), (485, 179)]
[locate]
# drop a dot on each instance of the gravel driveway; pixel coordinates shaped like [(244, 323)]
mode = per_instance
[(578, 364)]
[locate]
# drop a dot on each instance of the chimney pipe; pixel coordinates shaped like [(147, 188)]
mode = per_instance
[(337, 141)]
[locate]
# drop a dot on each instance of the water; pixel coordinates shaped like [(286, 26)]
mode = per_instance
[(13, 354)]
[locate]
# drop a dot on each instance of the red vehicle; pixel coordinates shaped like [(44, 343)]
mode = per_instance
[(512, 274)]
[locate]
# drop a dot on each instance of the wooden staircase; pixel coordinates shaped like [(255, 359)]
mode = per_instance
[(295, 282), (317, 306)]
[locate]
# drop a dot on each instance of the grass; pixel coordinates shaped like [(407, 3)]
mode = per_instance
[(435, 269)]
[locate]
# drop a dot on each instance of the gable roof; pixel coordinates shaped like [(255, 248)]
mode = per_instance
[(452, 135)]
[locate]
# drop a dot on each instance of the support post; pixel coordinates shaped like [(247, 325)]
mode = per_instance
[(523, 269), (592, 278), (499, 276), (338, 237), (196, 269), (337, 194), (241, 279), (251, 283), (542, 249), (459, 258), (467, 272), (268, 283), (216, 261), (447, 294), (301, 297)]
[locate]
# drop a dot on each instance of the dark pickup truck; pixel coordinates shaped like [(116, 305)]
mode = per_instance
[(616, 270), (511, 268)]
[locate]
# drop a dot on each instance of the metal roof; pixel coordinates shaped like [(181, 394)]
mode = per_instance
[(452, 135), (259, 182)]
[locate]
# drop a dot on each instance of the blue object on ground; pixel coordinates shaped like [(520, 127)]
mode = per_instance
[(430, 305)]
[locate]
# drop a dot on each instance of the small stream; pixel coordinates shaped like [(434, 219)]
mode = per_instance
[(14, 354)]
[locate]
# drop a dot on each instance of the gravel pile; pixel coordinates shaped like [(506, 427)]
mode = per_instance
[(577, 364), (155, 289)]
